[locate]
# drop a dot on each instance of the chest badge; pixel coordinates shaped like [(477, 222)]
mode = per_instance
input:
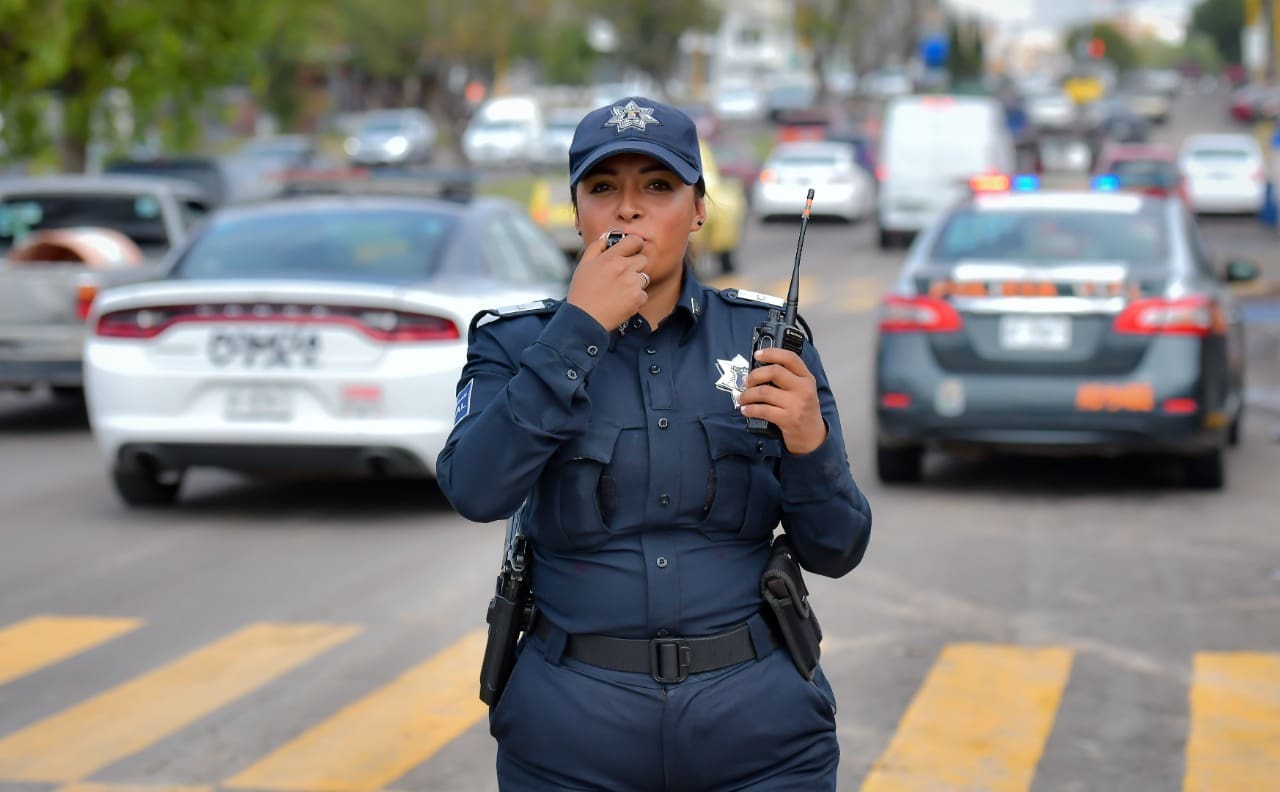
[(733, 377)]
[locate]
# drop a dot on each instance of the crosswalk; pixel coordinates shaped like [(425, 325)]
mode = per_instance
[(980, 718)]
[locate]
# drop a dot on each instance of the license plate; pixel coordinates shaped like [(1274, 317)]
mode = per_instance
[(259, 403), (1035, 332), (264, 349)]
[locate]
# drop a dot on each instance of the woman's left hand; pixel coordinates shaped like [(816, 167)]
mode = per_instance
[(786, 394)]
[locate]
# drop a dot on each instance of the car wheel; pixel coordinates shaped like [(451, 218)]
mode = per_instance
[(886, 239), (143, 485), (899, 465), (1233, 431), (1206, 471)]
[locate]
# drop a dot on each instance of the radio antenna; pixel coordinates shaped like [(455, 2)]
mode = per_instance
[(793, 294)]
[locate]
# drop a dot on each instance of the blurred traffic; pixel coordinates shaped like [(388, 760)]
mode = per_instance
[(1044, 273)]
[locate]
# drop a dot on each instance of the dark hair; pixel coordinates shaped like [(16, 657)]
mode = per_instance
[(699, 191)]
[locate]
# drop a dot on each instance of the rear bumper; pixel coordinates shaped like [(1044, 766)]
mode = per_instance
[(30, 373), (292, 460), (1037, 413)]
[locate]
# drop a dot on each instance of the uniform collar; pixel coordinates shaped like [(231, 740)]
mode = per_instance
[(691, 303)]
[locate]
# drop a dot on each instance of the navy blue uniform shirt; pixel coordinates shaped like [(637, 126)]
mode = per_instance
[(651, 505)]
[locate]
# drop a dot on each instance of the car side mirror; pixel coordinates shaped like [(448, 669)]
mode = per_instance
[(1240, 271)]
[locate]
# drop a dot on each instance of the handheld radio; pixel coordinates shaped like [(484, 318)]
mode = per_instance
[(781, 328)]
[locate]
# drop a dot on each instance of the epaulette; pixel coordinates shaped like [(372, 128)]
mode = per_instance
[(490, 315), (759, 300), (748, 297)]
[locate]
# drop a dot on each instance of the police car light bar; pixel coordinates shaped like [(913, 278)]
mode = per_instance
[(1107, 182), (999, 182)]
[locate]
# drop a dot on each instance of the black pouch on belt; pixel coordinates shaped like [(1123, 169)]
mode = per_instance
[(784, 592)]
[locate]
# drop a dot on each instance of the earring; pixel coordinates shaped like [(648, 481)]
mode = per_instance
[(700, 222), (579, 233)]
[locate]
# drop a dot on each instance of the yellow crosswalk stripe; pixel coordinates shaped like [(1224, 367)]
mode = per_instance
[(979, 721), (379, 738), (1234, 741), (131, 788), (42, 641), (80, 740)]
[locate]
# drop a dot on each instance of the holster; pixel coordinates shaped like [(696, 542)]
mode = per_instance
[(510, 613), (782, 587)]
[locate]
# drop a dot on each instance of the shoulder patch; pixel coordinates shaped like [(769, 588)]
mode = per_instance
[(748, 296), (490, 315)]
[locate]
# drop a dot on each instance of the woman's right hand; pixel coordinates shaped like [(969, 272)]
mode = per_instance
[(608, 284)]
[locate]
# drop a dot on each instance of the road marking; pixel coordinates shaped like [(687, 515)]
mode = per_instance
[(1234, 740), (861, 294), (83, 739), (131, 788), (381, 737), (44, 640), (979, 721)]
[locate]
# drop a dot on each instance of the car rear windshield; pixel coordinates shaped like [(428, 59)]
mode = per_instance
[(1054, 237), (1223, 155), (1146, 173), (383, 245), (136, 216)]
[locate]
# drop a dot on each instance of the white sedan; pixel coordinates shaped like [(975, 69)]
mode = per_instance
[(841, 187), (307, 336), (1223, 173)]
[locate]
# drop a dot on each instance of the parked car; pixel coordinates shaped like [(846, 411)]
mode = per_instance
[(1060, 322), (738, 102), (552, 150), (1148, 169), (310, 335), (392, 137), (1116, 120), (258, 169), (842, 188), (1224, 173), (45, 294), (207, 173), (504, 130)]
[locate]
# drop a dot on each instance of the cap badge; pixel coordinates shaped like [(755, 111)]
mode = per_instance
[(631, 116)]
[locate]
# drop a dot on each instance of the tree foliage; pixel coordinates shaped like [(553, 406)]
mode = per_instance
[(1223, 22), (164, 55), (649, 32), (966, 58)]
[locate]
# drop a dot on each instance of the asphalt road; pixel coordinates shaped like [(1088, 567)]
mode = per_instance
[(1028, 623)]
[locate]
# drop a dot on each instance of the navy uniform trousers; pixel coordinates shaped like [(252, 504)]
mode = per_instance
[(758, 725)]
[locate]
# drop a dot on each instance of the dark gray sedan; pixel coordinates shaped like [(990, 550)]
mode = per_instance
[(1050, 322)]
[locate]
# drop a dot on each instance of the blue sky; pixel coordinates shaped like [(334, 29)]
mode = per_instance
[(1054, 13)]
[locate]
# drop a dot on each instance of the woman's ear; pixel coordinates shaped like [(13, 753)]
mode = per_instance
[(699, 215)]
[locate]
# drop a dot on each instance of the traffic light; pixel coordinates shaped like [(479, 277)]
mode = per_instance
[(1097, 47)]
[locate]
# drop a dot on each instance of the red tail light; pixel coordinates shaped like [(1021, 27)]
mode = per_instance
[(1190, 316), (388, 326), (882, 173), (918, 315)]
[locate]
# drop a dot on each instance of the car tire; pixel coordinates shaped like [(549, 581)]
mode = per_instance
[(1206, 471), (899, 464), (143, 486), (887, 239), (1234, 430)]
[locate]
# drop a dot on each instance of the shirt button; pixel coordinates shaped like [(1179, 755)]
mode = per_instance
[(593, 350), (663, 423), (664, 500), (759, 446), (655, 368), (571, 374), (650, 351), (637, 323), (661, 562)]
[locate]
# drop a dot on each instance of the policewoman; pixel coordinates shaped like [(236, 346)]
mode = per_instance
[(619, 413)]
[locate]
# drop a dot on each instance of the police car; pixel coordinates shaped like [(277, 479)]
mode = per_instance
[(1048, 321), (318, 334)]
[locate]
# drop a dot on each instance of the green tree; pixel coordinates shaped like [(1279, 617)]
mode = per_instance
[(649, 32), (1223, 22), (965, 52), (822, 26), (68, 54), (1119, 49)]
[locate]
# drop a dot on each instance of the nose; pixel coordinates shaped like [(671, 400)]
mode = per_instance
[(629, 204)]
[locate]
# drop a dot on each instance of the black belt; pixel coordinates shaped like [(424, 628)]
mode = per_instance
[(668, 660)]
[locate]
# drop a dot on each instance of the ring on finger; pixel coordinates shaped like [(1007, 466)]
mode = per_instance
[(645, 275)]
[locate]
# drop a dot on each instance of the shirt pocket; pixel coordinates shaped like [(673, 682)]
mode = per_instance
[(573, 508), (742, 499)]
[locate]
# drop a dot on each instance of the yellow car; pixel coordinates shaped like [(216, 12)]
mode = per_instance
[(714, 246)]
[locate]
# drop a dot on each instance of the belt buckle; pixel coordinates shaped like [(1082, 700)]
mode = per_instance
[(669, 654)]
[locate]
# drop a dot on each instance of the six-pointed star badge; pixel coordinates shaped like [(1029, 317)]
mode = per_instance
[(631, 116)]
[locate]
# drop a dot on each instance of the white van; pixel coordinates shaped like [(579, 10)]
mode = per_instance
[(508, 129), (930, 147)]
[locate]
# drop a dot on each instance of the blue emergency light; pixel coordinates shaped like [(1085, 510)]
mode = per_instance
[(1026, 182), (1107, 182)]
